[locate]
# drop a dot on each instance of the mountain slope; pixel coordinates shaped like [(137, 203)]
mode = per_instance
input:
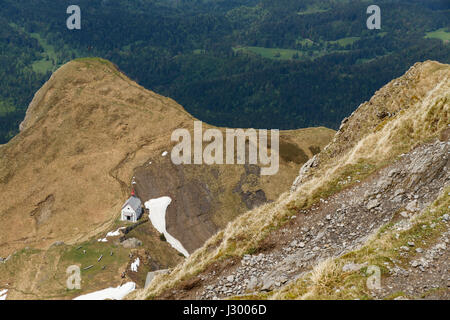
[(358, 170), (87, 133), (78, 129)]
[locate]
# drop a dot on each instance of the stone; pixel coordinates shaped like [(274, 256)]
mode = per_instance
[(131, 243), (230, 278), (372, 204), (153, 274), (282, 279), (352, 267), (412, 206), (253, 283), (268, 284), (57, 244), (404, 214), (393, 172)]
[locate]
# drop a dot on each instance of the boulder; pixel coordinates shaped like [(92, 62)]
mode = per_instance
[(372, 204), (153, 274), (352, 267), (57, 244), (131, 243), (253, 283), (412, 206)]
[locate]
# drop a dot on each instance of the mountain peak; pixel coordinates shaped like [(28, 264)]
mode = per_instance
[(99, 77), (81, 125)]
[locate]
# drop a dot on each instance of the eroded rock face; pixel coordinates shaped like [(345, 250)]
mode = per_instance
[(189, 217), (204, 198), (43, 210)]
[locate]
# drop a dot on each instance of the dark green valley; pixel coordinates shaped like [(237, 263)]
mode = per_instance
[(281, 64)]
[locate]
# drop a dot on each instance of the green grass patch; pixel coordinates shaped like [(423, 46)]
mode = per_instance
[(6, 108), (345, 41), (305, 42), (273, 53), (49, 56), (442, 34), (288, 54), (94, 249), (312, 9), (199, 51)]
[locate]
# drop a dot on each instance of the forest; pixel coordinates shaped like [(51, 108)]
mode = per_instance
[(281, 64)]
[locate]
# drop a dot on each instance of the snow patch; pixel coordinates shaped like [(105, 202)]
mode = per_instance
[(157, 208), (164, 153), (115, 233), (111, 293), (111, 234), (135, 265), (3, 294)]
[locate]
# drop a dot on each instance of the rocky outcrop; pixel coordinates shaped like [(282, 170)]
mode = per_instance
[(418, 100), (304, 170), (131, 243)]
